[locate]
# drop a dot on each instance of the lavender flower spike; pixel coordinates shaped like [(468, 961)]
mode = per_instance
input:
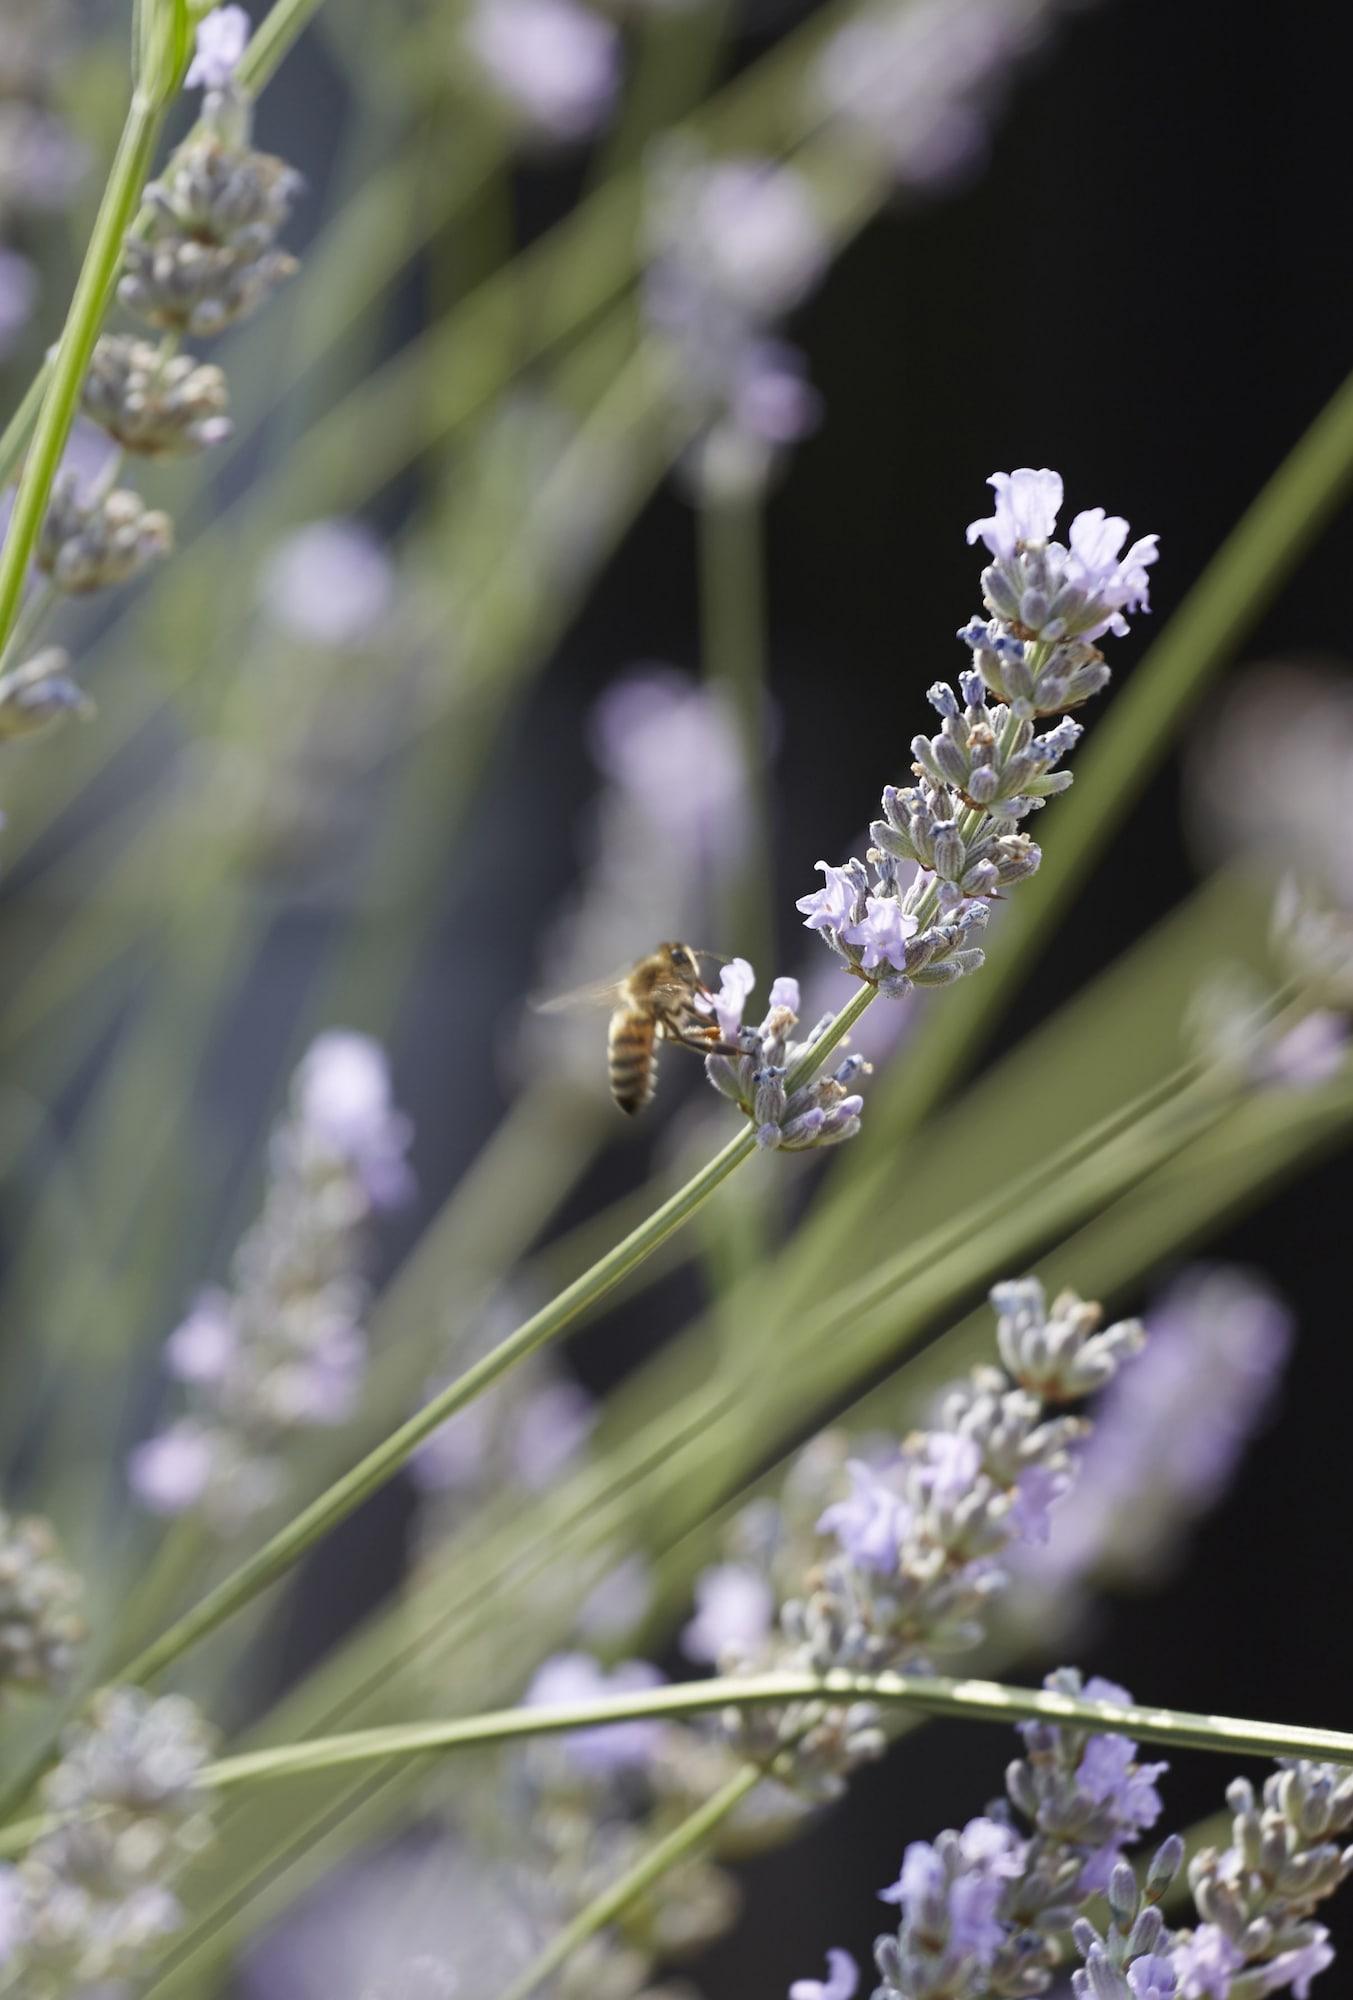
[(284, 1349), (986, 769)]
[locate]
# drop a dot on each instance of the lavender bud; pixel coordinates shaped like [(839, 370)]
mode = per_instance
[(90, 543), (156, 404)]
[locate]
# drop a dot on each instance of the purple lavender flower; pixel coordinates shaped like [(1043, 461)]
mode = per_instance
[(821, 1112), (1205, 1963), (883, 933), (1050, 591), (1027, 506), (604, 1752), (871, 1523), (1085, 1791), (555, 64), (222, 37), (735, 245), (955, 1886), (170, 1473), (843, 1977), (832, 907), (343, 1102), (917, 86), (1152, 1977), (329, 584), (735, 1607)]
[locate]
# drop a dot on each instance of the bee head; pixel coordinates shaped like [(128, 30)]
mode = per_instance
[(682, 960)]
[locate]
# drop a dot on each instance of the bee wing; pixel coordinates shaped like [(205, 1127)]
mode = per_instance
[(599, 994)]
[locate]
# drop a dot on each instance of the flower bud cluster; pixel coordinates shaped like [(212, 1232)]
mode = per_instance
[(823, 1111), (95, 540), (922, 1538), (159, 405), (1256, 1897), (987, 768), (93, 1896), (40, 1624), (284, 1350)]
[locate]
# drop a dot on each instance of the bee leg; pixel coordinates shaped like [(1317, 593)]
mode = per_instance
[(704, 1044)]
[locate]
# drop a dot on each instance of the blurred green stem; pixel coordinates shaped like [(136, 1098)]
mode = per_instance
[(93, 292)]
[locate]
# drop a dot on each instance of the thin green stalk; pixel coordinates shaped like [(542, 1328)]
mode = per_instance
[(291, 1542), (93, 292), (680, 1843), (15, 436), (272, 40)]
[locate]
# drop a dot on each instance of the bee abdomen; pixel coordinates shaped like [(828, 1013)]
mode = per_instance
[(632, 1058)]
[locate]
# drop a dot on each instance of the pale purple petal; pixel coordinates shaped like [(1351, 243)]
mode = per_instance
[(329, 584), (829, 908), (222, 37), (571, 1678), (1027, 505), (202, 1347), (555, 63), (843, 1977), (883, 934), (169, 1474)]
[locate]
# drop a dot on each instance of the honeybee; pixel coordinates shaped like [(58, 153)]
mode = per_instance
[(656, 1000)]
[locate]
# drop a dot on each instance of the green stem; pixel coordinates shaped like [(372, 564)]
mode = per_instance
[(93, 292), (933, 1694), (285, 1548), (272, 40), (15, 436), (680, 1843)]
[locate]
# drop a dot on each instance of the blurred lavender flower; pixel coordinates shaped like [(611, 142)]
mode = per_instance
[(986, 769), (152, 403), (330, 583), (1170, 1429), (284, 1350), (923, 1539), (423, 1920), (821, 1112), (917, 87), (734, 245), (40, 1624), (843, 1978), (222, 37), (1312, 1053), (92, 1897), (734, 1608), (553, 63), (96, 539), (576, 1677)]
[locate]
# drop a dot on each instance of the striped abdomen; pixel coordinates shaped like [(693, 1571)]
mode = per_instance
[(632, 1055)]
